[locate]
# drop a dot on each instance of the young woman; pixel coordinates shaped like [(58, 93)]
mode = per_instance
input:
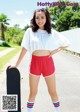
[(42, 42)]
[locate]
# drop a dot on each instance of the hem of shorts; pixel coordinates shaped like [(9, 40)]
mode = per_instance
[(49, 75), (34, 75)]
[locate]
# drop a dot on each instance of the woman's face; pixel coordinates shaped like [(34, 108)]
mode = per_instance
[(40, 19)]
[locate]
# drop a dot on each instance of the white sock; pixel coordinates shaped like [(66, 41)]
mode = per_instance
[(56, 106), (30, 106), (29, 109)]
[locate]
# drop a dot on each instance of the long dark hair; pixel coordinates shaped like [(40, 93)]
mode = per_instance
[(47, 25)]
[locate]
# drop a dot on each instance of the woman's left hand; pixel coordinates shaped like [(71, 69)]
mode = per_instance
[(57, 50)]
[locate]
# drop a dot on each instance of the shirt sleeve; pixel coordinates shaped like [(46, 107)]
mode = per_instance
[(26, 40), (62, 40)]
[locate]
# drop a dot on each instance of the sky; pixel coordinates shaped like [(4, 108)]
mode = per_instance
[(21, 11)]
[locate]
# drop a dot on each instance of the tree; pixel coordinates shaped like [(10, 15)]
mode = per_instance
[(75, 20), (3, 23), (16, 25), (64, 22), (65, 17), (14, 34), (56, 12), (26, 27)]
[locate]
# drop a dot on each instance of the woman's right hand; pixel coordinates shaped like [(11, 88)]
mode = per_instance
[(10, 66)]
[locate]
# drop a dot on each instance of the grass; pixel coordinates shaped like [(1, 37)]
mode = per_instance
[(71, 52), (5, 59), (3, 48)]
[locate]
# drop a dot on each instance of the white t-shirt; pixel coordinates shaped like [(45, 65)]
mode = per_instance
[(41, 40)]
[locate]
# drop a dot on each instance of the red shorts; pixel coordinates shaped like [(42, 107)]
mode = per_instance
[(42, 65)]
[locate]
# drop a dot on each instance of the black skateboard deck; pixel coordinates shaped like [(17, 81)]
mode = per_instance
[(13, 85)]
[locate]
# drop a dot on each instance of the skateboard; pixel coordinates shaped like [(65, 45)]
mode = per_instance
[(13, 85)]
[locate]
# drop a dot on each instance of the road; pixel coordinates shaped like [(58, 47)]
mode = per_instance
[(4, 52), (67, 81)]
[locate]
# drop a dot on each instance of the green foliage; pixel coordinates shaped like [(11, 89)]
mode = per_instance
[(64, 22), (65, 17), (4, 19), (4, 44), (26, 27), (14, 35), (17, 39), (3, 23), (75, 20), (11, 35)]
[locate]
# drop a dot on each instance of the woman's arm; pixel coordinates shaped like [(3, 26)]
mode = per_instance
[(23, 52), (57, 50)]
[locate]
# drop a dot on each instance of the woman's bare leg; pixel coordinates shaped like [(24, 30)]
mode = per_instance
[(33, 82), (51, 84)]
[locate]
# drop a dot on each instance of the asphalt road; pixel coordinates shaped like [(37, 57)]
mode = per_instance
[(67, 81)]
